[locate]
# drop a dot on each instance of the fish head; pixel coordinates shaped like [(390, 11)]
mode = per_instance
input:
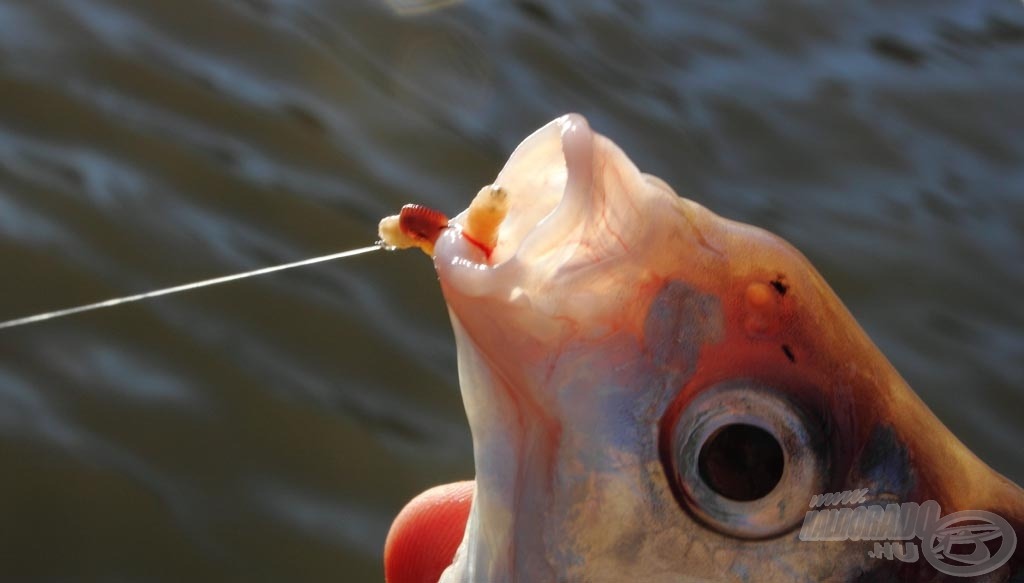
[(657, 393)]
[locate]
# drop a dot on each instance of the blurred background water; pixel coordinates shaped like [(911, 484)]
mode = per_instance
[(269, 430)]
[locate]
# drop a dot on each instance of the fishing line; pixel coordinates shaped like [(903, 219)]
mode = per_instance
[(184, 287)]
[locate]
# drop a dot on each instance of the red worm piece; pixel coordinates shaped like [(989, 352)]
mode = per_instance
[(422, 223)]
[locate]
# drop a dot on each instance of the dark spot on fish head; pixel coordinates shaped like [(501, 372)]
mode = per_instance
[(780, 285)]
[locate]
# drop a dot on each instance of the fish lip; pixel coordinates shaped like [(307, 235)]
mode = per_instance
[(540, 219)]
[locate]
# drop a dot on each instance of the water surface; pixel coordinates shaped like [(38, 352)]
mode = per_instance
[(269, 430)]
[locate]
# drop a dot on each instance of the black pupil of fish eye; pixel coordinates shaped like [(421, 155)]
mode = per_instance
[(741, 462)]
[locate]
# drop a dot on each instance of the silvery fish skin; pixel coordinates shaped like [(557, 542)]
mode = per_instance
[(613, 330)]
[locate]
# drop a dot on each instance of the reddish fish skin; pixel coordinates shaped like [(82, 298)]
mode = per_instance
[(425, 534), (770, 336)]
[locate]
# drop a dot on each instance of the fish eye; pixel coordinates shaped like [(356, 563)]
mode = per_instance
[(746, 460)]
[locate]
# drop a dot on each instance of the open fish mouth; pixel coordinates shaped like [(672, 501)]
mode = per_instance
[(543, 178), (567, 210)]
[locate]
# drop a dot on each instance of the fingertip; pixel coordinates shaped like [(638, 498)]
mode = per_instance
[(426, 533)]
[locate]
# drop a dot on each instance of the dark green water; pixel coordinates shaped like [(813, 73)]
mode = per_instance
[(269, 430)]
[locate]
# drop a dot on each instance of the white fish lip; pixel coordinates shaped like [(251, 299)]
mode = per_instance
[(548, 178)]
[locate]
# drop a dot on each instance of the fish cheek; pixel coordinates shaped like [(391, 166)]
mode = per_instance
[(680, 321), (610, 472)]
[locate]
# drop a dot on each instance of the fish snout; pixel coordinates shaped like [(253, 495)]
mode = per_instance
[(573, 205)]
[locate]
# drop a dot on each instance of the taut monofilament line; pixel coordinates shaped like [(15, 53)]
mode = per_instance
[(183, 288)]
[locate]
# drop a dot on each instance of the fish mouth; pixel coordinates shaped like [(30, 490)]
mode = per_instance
[(561, 216)]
